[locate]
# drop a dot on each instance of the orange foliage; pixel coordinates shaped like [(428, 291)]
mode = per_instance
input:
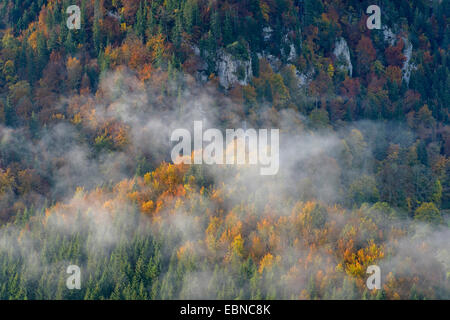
[(394, 54)]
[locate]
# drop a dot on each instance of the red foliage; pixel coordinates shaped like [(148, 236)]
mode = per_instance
[(394, 54)]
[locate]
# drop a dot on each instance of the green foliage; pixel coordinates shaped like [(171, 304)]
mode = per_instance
[(427, 212), (364, 189), (239, 50)]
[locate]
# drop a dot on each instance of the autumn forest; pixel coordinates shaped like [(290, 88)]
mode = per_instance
[(87, 179)]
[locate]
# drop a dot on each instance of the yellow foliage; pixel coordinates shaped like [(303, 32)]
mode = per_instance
[(266, 263), (265, 10), (237, 246), (76, 118), (358, 262), (32, 40), (6, 180), (330, 70)]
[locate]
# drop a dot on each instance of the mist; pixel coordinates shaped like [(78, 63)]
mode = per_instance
[(90, 202)]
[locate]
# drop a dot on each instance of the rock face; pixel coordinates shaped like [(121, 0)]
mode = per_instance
[(389, 36), (342, 54), (304, 79), (231, 70), (267, 33), (201, 74), (408, 67), (291, 54), (273, 61)]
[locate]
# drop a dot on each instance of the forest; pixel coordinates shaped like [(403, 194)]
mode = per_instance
[(86, 176)]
